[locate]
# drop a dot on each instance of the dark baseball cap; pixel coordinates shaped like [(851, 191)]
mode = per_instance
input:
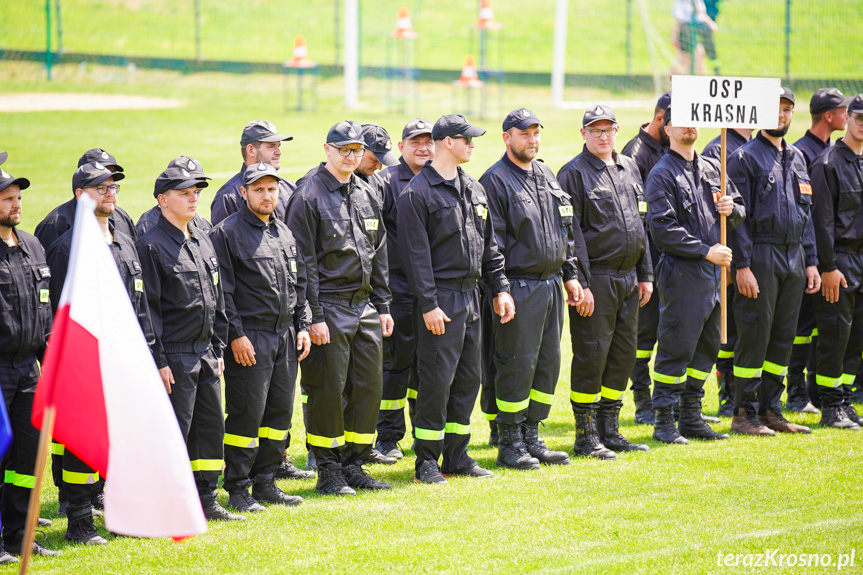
[(101, 156), (521, 119), (856, 104), (664, 101), (262, 131), (667, 117), (3, 156), (175, 178), (378, 141), (453, 125), (785, 92), (597, 113), (193, 166), (827, 99), (258, 171), (416, 127), (7, 179), (345, 133), (93, 174)]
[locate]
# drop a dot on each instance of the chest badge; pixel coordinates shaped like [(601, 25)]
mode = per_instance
[(44, 296), (805, 189), (642, 207), (481, 211), (564, 211), (371, 224)]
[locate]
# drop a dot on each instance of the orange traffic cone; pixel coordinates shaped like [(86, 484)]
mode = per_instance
[(404, 28), (469, 77), (486, 19), (300, 58)]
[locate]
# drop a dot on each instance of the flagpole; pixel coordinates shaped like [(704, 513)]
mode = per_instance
[(36, 492)]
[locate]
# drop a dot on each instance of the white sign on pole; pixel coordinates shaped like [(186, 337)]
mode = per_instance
[(724, 102)]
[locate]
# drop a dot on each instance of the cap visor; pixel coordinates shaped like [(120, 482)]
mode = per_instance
[(416, 133), (387, 158), (3, 156), (473, 132), (276, 138), (524, 124), (23, 183), (257, 177), (348, 142)]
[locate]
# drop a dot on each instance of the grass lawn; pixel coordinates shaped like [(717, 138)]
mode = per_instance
[(672, 510)]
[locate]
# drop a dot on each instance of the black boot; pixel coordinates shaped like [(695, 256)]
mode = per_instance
[(675, 411), (81, 528), (264, 490), (726, 394), (813, 390), (607, 424), (832, 416), (664, 429), (493, 435), (587, 443), (511, 451), (331, 481), (536, 446), (287, 470), (848, 405), (798, 398), (643, 406), (692, 425)]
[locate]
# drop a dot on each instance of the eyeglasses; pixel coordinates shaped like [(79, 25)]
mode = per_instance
[(596, 132), (467, 139), (102, 190), (858, 118), (345, 152)]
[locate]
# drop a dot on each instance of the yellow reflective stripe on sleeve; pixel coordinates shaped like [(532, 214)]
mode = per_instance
[(57, 448), (643, 353), (695, 374), (412, 393), (304, 398), (512, 406), (489, 416), (359, 438), (669, 379), (726, 353), (814, 332), (207, 465), (848, 378), (19, 479), (775, 368), (577, 397), (825, 381), (393, 404), (748, 372), (78, 478), (9, 477), (322, 441), (612, 394), (271, 434), (241, 441), (802, 340), (428, 434), (457, 428), (541, 396)]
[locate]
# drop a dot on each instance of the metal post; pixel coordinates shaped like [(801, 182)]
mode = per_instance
[(558, 63), (49, 56), (198, 31), (787, 40), (59, 28)]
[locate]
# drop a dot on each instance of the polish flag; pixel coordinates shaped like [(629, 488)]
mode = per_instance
[(112, 410)]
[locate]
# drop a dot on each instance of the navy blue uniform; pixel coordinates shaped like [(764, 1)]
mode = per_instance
[(149, 218), (61, 219), (229, 199)]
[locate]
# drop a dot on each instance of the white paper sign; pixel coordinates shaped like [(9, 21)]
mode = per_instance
[(724, 102)]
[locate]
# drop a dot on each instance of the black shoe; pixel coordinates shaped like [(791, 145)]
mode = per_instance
[(474, 471), (376, 457), (311, 462), (587, 443), (643, 406), (43, 522), (13, 546), (607, 426), (358, 478), (511, 451), (332, 482), (832, 416), (692, 422), (240, 499), (389, 448), (264, 490), (80, 528), (493, 436), (287, 470), (852, 414), (798, 398), (536, 446), (429, 472), (664, 429), (6, 557), (215, 512)]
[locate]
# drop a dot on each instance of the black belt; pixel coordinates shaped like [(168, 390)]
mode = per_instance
[(186, 347), (464, 285), (353, 298)]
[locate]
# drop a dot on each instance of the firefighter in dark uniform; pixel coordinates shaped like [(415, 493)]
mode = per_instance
[(646, 149), (263, 280), (616, 273), (149, 218), (837, 185), (25, 306), (378, 142), (735, 138), (260, 142), (187, 309), (336, 220), (62, 217), (684, 204), (400, 371), (447, 242), (532, 220), (775, 262), (828, 107), (79, 482)]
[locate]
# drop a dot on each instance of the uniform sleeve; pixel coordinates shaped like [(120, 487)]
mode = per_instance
[(738, 216), (58, 261), (143, 313), (644, 265), (228, 280), (150, 270), (415, 250), (825, 193), (380, 278), (667, 232), (303, 222), (302, 311), (740, 238), (570, 181), (493, 264), (498, 207), (220, 323), (223, 206), (809, 241)]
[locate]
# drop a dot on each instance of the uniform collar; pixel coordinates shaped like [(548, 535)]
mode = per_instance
[(734, 134), (434, 178), (816, 140), (173, 231), (517, 169), (250, 218), (405, 172), (330, 181), (763, 139), (598, 163), (4, 248), (650, 140), (846, 152)]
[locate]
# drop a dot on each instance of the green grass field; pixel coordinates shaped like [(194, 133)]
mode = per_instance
[(669, 511)]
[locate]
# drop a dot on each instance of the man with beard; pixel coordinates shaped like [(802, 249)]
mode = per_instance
[(378, 142), (684, 206), (774, 255), (532, 219)]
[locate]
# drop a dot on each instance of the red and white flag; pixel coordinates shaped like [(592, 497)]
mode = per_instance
[(111, 407)]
